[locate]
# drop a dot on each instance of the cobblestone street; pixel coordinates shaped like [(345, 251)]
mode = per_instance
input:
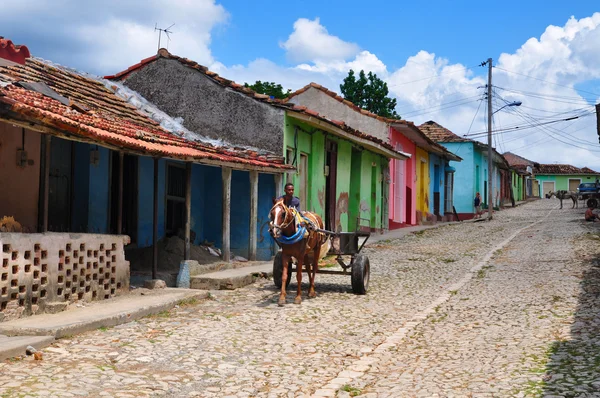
[(507, 308)]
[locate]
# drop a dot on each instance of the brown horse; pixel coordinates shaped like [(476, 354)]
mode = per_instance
[(285, 223)]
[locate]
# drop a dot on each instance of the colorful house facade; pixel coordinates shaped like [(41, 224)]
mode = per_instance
[(471, 174), (408, 190), (320, 149), (94, 173), (556, 177), (522, 181)]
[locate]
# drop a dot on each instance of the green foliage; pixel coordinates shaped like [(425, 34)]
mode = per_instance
[(369, 92), (269, 88)]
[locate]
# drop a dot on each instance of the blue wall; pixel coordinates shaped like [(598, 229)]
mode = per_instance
[(207, 207), (464, 177), (146, 199), (266, 247), (91, 199), (99, 193), (440, 184), (213, 205), (240, 212), (198, 202), (79, 222)]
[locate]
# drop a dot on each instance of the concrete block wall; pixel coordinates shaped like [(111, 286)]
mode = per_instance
[(39, 271)]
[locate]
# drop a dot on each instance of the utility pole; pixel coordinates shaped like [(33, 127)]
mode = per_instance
[(490, 197)]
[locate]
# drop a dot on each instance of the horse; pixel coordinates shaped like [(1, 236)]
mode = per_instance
[(566, 195), (298, 237)]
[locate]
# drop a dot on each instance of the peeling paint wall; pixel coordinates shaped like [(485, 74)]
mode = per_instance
[(208, 108), (304, 139), (359, 176)]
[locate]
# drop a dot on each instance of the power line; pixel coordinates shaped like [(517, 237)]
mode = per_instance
[(437, 108), (550, 98), (556, 134), (520, 128), (432, 77), (546, 81)]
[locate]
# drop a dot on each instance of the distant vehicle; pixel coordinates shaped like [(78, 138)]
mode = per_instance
[(585, 189)]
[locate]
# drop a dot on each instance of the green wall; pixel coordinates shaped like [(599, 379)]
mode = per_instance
[(561, 182), (359, 180)]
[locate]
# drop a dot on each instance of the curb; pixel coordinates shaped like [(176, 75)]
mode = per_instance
[(41, 330)]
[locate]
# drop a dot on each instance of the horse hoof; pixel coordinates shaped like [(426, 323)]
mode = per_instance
[(281, 302), (298, 300), (312, 294)]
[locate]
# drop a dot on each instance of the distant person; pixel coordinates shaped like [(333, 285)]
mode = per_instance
[(477, 204), (590, 215), (289, 199)]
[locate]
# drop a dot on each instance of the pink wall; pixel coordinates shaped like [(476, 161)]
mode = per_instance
[(19, 185), (407, 146)]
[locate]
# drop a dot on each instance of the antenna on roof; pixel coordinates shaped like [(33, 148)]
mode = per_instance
[(160, 31)]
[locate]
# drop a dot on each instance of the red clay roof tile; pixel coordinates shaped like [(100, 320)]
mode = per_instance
[(13, 52), (261, 97), (561, 169), (109, 120)]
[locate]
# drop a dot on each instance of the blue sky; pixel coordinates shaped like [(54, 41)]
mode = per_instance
[(545, 53), (460, 30)]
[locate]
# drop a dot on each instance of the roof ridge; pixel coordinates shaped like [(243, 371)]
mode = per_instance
[(13, 52), (163, 53), (344, 101)]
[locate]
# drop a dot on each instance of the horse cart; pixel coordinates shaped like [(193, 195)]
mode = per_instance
[(590, 192), (346, 245)]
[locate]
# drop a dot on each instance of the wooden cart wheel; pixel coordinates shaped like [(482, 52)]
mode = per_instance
[(278, 271), (592, 202), (361, 270)]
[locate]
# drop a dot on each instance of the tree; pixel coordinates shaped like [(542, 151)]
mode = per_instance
[(369, 92), (269, 88)]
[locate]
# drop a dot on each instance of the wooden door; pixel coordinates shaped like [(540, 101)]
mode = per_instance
[(60, 185), (330, 184)]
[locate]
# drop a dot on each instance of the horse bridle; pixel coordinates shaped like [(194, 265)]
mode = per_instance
[(283, 225)]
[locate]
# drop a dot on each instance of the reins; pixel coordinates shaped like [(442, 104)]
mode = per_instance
[(300, 230)]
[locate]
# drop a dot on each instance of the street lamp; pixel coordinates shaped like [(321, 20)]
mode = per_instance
[(514, 103), (490, 198)]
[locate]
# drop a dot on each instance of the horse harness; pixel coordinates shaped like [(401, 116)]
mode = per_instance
[(305, 226)]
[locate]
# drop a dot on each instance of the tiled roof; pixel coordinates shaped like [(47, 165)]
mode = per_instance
[(92, 111), (519, 168), (516, 160), (562, 169), (163, 53), (13, 52), (415, 133), (439, 133), (337, 97)]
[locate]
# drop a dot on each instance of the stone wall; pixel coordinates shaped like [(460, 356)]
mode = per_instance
[(45, 272)]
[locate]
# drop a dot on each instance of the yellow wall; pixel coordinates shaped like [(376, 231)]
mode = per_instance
[(422, 160)]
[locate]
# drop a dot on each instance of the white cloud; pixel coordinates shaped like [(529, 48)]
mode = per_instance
[(310, 41), (109, 36), (105, 37), (431, 87)]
